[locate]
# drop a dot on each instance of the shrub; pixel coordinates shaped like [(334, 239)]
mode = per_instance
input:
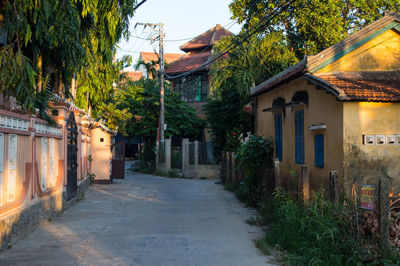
[(172, 174), (252, 156), (320, 233)]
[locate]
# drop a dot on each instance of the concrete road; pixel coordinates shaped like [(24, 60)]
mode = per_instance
[(145, 220)]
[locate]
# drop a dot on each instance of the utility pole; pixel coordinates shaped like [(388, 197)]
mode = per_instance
[(162, 110), (161, 35)]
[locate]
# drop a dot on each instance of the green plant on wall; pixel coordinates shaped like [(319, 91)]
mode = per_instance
[(232, 141), (255, 154)]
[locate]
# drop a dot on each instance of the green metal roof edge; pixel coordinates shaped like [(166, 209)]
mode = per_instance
[(358, 44)]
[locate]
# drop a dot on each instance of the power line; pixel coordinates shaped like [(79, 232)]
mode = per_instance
[(132, 47), (230, 47), (190, 38), (141, 38), (205, 49), (138, 5), (179, 40), (231, 25)]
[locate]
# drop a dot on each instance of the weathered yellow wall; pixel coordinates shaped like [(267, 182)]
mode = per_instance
[(101, 154), (365, 164), (380, 54), (322, 109)]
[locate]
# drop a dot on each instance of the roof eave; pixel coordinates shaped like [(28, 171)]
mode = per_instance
[(283, 77), (203, 70), (323, 84), (316, 62)]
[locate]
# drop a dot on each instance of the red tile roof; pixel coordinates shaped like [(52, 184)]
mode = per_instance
[(152, 56), (367, 86), (189, 62), (134, 75), (207, 39), (312, 64)]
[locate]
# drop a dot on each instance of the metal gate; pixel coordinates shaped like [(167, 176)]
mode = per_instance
[(118, 161), (72, 164)]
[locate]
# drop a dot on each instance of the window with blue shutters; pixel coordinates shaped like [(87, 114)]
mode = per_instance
[(319, 150), (299, 137), (278, 136)]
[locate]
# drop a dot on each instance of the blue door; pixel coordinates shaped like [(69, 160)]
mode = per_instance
[(299, 137), (278, 136), (319, 150)]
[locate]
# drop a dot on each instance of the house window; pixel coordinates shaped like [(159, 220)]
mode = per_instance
[(177, 85), (299, 137), (198, 93), (204, 87), (319, 150), (1, 168), (278, 136), (12, 168), (43, 170)]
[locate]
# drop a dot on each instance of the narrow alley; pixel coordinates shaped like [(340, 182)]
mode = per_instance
[(145, 220)]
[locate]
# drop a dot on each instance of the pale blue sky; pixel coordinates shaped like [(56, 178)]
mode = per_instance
[(182, 19)]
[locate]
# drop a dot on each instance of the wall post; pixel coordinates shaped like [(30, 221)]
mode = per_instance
[(233, 170), (167, 153), (185, 155), (223, 167), (305, 182), (277, 173), (333, 187), (384, 223), (196, 154)]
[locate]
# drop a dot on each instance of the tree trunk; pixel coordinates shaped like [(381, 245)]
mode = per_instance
[(40, 74)]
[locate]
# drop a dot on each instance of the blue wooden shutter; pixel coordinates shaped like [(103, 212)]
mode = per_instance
[(198, 94), (278, 136), (299, 137), (319, 150)]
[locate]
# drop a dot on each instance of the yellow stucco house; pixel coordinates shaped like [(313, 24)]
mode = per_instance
[(338, 110)]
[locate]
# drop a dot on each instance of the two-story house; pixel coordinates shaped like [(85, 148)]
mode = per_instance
[(194, 88)]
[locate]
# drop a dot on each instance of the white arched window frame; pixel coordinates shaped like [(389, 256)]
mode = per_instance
[(2, 151), (43, 170), (12, 168), (52, 168)]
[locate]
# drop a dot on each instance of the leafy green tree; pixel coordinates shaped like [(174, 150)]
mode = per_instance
[(17, 77), (181, 119), (142, 100), (223, 115), (42, 36), (231, 78), (100, 74), (149, 66), (251, 63), (100, 82), (58, 37), (313, 25)]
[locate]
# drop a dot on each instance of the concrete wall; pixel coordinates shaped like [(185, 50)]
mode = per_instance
[(19, 223), (322, 109), (365, 164), (101, 154), (196, 170), (33, 170), (379, 54), (346, 122)]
